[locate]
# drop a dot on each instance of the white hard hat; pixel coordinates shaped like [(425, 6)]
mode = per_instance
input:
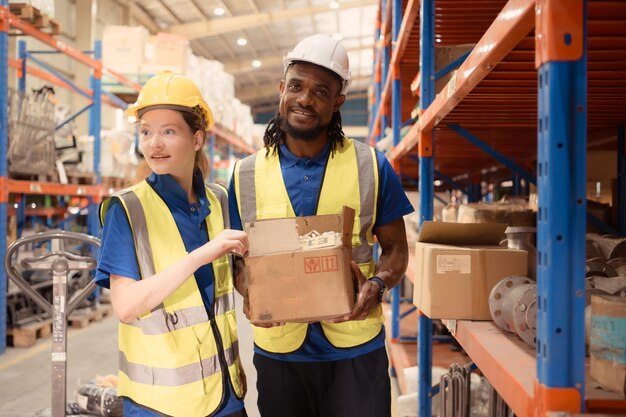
[(324, 51)]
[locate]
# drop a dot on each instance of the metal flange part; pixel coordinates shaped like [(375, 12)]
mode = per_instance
[(496, 298), (599, 267), (525, 312)]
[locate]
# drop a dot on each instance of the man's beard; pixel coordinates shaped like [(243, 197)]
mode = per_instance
[(305, 135)]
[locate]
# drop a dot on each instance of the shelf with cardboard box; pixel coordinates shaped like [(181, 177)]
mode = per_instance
[(32, 181), (540, 87)]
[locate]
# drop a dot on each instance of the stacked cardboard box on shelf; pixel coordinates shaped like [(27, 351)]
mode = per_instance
[(607, 346), (457, 265)]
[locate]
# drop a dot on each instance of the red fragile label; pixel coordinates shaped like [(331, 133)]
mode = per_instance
[(312, 265)]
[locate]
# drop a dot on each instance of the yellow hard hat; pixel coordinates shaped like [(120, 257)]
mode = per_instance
[(168, 89)]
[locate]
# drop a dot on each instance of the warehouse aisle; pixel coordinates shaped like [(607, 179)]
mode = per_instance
[(25, 372)]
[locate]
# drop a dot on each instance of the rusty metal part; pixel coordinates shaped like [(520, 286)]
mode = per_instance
[(599, 267), (611, 247), (608, 284), (618, 264)]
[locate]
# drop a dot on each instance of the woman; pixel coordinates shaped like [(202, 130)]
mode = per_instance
[(165, 246)]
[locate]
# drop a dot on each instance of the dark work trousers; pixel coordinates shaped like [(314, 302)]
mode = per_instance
[(357, 387)]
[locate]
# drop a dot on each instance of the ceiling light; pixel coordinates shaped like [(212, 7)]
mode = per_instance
[(242, 41), (256, 63), (438, 40), (333, 4), (219, 11)]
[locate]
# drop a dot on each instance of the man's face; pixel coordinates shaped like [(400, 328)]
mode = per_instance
[(309, 96)]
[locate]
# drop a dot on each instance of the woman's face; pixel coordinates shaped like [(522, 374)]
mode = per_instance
[(167, 142)]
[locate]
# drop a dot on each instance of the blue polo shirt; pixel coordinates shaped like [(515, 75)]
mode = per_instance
[(303, 180), (117, 256)]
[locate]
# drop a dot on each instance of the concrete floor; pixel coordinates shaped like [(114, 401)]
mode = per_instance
[(25, 372)]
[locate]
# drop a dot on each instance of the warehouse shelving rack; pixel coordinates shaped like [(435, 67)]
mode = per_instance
[(517, 96), (21, 187), (97, 95)]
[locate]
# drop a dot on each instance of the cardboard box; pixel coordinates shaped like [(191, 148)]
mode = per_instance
[(512, 213), (607, 346), (458, 264), (289, 284), (123, 48), (165, 52)]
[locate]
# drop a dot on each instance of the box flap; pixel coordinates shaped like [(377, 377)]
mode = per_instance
[(446, 233), (342, 223), (273, 236), (282, 235)]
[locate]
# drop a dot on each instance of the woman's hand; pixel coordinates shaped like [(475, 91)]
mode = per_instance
[(228, 241)]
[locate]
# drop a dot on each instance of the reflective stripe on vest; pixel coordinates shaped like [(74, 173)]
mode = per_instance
[(169, 357), (173, 377), (261, 194)]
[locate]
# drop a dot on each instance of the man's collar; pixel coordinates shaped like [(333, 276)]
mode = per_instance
[(288, 159)]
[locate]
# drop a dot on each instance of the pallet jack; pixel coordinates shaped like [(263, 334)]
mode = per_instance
[(59, 262)]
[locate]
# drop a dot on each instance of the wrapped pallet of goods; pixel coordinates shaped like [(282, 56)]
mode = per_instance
[(515, 213)]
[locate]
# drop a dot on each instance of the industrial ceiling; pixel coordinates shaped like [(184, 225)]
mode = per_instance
[(250, 37)]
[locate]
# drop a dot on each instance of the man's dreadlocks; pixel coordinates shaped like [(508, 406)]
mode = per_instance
[(274, 135)]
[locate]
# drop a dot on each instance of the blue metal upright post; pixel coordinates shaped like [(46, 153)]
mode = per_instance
[(561, 217), (516, 188), (95, 113), (21, 54), (384, 70), (621, 180), (396, 123), (4, 146), (426, 193), (374, 107)]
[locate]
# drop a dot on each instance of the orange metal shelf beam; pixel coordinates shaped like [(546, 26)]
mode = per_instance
[(506, 361), (512, 25), (15, 63), (232, 139), (43, 211), (408, 21), (510, 366), (49, 188), (61, 46)]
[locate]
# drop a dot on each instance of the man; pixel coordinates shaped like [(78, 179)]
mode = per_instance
[(308, 167)]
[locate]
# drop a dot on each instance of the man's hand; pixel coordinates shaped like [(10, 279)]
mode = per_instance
[(367, 296)]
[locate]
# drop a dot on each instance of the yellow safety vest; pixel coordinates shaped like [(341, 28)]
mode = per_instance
[(350, 179), (172, 358)]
